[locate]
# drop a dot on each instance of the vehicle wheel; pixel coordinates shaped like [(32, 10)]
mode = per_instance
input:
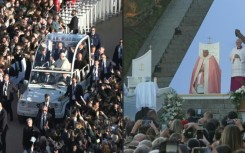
[(21, 119)]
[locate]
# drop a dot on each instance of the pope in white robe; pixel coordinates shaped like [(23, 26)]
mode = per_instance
[(206, 75), (63, 62)]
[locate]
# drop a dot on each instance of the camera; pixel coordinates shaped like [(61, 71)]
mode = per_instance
[(114, 129), (230, 121)]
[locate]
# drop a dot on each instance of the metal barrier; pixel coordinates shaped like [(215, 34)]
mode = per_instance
[(90, 12)]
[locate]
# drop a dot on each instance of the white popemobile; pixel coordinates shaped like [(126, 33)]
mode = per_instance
[(59, 77)]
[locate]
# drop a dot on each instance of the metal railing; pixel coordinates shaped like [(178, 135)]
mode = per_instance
[(90, 12)]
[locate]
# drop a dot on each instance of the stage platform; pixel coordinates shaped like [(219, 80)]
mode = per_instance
[(218, 104)]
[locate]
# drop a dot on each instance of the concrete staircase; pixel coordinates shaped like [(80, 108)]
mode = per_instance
[(179, 44)]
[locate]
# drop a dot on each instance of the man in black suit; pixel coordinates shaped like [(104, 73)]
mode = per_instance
[(7, 91), (117, 56), (83, 50), (74, 91), (47, 78), (74, 22), (29, 131), (43, 57), (95, 38), (79, 64), (65, 78), (44, 120), (3, 128), (60, 49), (94, 73), (106, 67), (47, 103), (8, 69)]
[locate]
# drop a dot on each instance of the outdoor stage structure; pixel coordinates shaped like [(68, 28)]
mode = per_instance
[(219, 104)]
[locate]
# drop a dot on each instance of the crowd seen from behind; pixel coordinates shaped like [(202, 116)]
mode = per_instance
[(195, 134), (93, 123)]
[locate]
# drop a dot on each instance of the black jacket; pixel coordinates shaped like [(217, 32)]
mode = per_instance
[(29, 132), (11, 90), (77, 93), (74, 24), (3, 121)]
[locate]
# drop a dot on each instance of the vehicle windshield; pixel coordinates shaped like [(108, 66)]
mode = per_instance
[(50, 78), (56, 52)]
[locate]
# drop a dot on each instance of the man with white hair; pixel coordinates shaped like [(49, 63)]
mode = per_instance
[(63, 62), (206, 75)]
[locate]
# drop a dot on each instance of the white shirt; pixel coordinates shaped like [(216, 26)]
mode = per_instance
[(5, 87), (47, 103), (237, 66), (64, 64)]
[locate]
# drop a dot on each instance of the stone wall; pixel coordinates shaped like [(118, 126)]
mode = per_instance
[(218, 106)]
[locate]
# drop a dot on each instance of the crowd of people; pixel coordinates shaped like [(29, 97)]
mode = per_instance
[(94, 122), (194, 134)]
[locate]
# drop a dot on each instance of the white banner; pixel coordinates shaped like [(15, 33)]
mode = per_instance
[(141, 66)]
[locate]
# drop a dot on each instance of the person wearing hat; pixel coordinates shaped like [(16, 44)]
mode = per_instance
[(73, 25)]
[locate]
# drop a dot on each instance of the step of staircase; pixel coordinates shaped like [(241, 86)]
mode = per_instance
[(163, 31), (179, 44)]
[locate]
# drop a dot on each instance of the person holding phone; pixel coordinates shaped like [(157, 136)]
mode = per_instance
[(145, 124)]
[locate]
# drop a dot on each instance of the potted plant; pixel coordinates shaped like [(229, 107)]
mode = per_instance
[(238, 99), (171, 108)]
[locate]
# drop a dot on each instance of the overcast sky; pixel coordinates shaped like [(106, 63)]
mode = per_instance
[(223, 18)]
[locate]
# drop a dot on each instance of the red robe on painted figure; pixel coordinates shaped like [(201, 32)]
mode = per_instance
[(207, 73)]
